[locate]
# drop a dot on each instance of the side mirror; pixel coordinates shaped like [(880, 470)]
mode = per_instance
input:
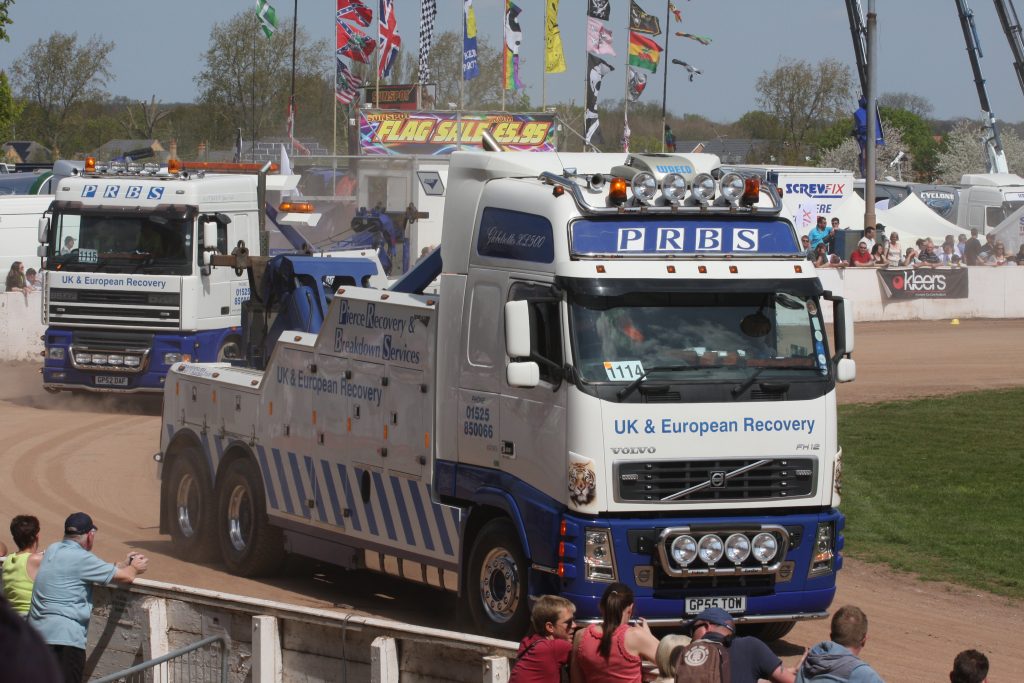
[(846, 370), (517, 329), (44, 228), (525, 374), (209, 235), (41, 251)]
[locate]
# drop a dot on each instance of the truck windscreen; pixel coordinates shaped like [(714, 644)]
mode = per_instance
[(120, 243), (697, 336)]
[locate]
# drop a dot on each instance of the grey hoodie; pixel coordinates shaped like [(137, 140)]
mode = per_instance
[(829, 661)]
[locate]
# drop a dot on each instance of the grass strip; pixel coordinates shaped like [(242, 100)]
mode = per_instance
[(936, 487)]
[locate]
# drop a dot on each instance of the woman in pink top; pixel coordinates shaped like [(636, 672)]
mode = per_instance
[(613, 652)]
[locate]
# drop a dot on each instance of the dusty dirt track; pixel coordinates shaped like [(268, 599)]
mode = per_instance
[(62, 453)]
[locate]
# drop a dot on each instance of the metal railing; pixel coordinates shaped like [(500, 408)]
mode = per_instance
[(186, 664)]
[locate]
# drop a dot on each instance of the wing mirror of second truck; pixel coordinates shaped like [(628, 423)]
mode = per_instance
[(846, 367), (517, 345), (44, 228)]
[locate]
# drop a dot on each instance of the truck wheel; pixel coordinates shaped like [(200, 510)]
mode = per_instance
[(768, 631), (496, 582), (249, 545), (230, 350), (190, 509)]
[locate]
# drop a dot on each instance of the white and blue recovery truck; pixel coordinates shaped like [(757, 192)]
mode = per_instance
[(128, 289), (625, 374)]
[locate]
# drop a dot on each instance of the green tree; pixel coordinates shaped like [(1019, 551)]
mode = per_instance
[(918, 137), (246, 78), (804, 99), (5, 18), (55, 76), (10, 109), (846, 155)]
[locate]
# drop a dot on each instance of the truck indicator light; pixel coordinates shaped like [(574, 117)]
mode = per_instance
[(296, 207), (798, 269), (703, 270), (670, 269), (173, 166), (558, 191), (90, 164)]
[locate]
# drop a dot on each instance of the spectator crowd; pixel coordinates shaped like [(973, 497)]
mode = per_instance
[(879, 251)]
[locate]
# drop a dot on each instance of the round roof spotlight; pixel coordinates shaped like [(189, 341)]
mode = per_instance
[(645, 187), (673, 186), (704, 188), (732, 188), (684, 550)]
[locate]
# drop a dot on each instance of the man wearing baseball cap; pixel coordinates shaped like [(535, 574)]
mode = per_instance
[(749, 658), (62, 595)]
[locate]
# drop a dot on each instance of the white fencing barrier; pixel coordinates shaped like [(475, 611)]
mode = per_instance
[(21, 326)]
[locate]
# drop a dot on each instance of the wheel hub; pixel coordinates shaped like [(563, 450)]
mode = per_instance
[(499, 585), (185, 502), (239, 518)]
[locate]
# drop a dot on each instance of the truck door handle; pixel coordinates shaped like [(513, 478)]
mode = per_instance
[(508, 449)]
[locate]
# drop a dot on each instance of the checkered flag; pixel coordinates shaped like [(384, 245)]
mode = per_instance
[(428, 13)]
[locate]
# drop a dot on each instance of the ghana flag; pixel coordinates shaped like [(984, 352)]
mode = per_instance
[(644, 53)]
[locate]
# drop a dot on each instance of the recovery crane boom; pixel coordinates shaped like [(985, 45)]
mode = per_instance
[(993, 144), (1011, 26)]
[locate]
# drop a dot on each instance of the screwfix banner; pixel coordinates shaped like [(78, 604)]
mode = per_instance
[(437, 132), (924, 283)]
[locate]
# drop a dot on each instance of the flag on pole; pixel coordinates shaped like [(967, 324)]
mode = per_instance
[(597, 69), (428, 15), (636, 81), (599, 9), (644, 52), (346, 84), (513, 39), (703, 40), (267, 16), (470, 67), (390, 41), (625, 130), (675, 12), (554, 56), (354, 10), (355, 44), (641, 21), (599, 39)]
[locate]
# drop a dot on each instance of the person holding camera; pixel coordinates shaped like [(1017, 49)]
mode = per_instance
[(616, 649), (62, 595)]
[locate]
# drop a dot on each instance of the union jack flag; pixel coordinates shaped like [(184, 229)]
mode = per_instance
[(355, 44), (390, 41), (354, 10)]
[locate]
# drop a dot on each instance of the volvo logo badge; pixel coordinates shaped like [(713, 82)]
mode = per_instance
[(717, 479)]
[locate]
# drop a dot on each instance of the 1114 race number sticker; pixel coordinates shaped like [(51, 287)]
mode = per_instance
[(618, 370)]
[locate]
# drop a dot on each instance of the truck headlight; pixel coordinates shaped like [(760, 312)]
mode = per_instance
[(684, 550), (673, 187), (132, 361), (732, 187), (645, 187), (55, 352), (710, 548), (764, 547), (172, 358), (599, 558), (83, 358), (737, 548), (99, 359), (704, 188), (115, 359), (823, 550)]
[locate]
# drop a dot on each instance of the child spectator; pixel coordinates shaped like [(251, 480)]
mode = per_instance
[(970, 666), (910, 259), (20, 568)]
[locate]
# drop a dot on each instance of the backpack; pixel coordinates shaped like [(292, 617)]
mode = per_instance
[(703, 661)]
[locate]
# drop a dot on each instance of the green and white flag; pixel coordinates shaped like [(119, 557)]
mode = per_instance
[(267, 16)]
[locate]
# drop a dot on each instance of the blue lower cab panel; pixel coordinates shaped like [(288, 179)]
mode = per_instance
[(60, 372), (660, 596)]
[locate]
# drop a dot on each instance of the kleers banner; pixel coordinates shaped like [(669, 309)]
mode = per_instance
[(437, 132), (924, 283)]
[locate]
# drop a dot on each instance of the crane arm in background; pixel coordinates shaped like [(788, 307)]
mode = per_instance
[(1011, 26), (860, 49), (993, 144)]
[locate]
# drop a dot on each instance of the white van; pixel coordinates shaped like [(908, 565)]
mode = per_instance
[(19, 229)]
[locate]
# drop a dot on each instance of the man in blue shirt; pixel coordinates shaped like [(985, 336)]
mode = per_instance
[(820, 233), (838, 659), (750, 660), (62, 595)]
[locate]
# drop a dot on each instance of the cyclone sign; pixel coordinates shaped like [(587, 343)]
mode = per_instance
[(925, 283)]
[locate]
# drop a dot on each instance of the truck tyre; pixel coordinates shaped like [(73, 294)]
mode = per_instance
[(768, 631), (496, 582), (190, 508), (230, 350), (249, 545)]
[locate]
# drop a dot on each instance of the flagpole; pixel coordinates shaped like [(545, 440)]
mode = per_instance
[(504, 55), (252, 148), (625, 100), (291, 98), (376, 90), (664, 81), (586, 79)]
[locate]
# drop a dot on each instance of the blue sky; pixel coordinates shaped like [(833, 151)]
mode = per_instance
[(921, 49)]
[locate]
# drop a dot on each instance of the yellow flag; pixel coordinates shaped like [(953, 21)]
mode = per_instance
[(554, 57)]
